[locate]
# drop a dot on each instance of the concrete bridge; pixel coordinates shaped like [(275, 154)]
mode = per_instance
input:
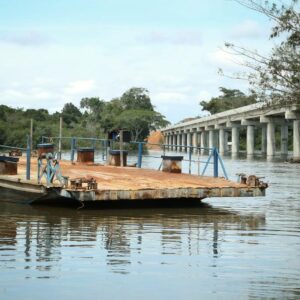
[(223, 129)]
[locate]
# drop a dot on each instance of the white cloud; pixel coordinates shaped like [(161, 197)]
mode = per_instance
[(79, 87), (25, 38), (34, 97), (221, 58), (172, 98), (204, 95), (39, 94), (249, 29), (179, 37), (11, 93)]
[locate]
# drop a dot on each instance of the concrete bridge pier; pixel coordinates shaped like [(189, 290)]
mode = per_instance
[(222, 143), (271, 146), (172, 142), (195, 140), (296, 139), (284, 139), (235, 136), (250, 140), (264, 140), (211, 138), (250, 137), (295, 117), (175, 139), (167, 141), (271, 139), (179, 140), (188, 141), (183, 142), (226, 137), (202, 141), (216, 138)]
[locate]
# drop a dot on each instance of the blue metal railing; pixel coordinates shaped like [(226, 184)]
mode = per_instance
[(214, 157)]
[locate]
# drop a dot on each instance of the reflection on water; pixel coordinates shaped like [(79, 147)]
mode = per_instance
[(42, 232), (231, 249)]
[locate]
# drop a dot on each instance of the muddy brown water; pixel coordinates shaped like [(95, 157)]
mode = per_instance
[(235, 248)]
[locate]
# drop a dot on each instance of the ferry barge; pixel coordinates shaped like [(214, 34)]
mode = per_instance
[(88, 182)]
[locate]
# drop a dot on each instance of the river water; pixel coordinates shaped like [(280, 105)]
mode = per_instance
[(227, 248)]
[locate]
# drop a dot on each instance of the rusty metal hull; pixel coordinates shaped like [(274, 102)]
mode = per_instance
[(182, 193), (24, 192)]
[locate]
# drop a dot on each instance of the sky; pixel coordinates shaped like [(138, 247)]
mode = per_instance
[(54, 52)]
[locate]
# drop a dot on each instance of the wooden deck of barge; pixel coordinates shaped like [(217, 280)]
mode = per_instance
[(128, 183)]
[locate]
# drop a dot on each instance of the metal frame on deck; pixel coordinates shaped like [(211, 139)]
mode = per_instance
[(214, 157)]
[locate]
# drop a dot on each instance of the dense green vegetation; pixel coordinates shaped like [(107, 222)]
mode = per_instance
[(132, 111), (228, 99)]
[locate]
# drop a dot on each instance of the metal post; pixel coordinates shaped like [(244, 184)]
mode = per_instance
[(60, 137), (39, 170), (28, 150), (73, 146), (107, 149), (94, 144), (48, 172), (31, 132), (121, 149), (140, 155), (216, 162)]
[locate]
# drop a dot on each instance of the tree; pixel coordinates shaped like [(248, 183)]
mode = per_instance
[(136, 98), (111, 111), (37, 114), (274, 78), (94, 107), (70, 113), (139, 122), (3, 133), (228, 99)]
